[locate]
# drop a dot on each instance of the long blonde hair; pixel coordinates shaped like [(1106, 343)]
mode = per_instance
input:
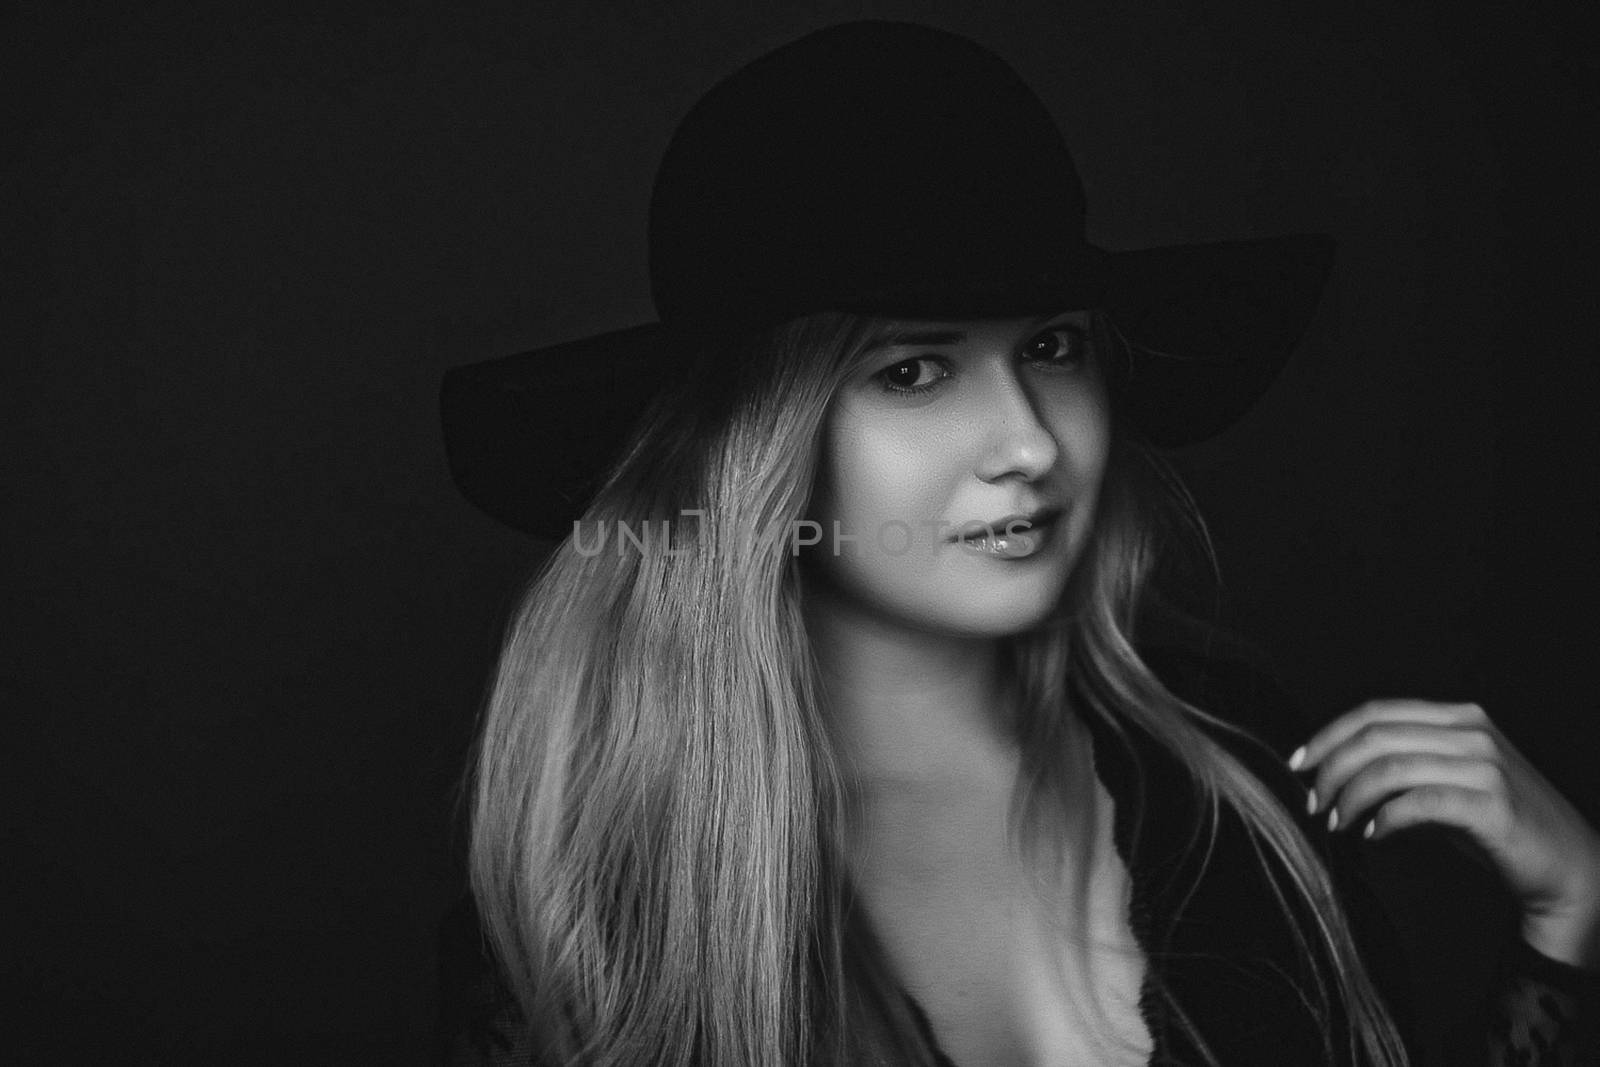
[(655, 799)]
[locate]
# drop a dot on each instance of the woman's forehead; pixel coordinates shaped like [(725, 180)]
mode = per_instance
[(934, 331)]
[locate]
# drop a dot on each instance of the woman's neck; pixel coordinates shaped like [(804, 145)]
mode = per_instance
[(912, 709)]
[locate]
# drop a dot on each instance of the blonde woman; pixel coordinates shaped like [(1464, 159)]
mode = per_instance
[(830, 733)]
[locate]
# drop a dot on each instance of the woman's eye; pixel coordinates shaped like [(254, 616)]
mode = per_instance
[(913, 375), (1058, 345)]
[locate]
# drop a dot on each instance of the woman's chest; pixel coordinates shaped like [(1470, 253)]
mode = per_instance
[(1012, 968)]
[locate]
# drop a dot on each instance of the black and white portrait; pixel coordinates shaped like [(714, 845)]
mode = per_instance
[(907, 533)]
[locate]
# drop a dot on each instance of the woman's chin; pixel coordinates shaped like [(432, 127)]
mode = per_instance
[(993, 613), (1009, 620)]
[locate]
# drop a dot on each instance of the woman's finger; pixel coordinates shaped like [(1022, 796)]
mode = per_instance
[(1471, 810), (1379, 740), (1389, 775), (1419, 712)]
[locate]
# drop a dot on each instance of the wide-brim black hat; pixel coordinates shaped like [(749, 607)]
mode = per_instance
[(886, 168)]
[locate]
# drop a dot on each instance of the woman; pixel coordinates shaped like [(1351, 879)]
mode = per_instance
[(829, 734)]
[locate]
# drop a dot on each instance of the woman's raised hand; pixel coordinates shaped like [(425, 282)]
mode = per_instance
[(1392, 764)]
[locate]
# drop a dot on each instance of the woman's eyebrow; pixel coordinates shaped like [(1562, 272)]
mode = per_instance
[(925, 337)]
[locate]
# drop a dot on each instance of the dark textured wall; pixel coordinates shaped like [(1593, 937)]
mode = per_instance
[(247, 619)]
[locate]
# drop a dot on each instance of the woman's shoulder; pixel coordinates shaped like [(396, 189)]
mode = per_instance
[(1263, 725), (1238, 687), (480, 1023), (1234, 681)]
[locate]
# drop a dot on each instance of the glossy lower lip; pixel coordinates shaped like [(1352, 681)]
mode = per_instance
[(1018, 545)]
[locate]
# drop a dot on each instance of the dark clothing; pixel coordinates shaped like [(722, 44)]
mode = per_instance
[(1213, 932)]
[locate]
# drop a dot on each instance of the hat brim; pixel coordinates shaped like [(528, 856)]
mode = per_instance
[(1210, 326)]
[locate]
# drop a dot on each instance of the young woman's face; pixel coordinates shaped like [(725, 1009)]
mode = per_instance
[(960, 465)]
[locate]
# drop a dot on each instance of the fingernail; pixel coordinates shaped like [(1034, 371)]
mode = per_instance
[(1333, 818), (1311, 802), (1371, 826), (1297, 757)]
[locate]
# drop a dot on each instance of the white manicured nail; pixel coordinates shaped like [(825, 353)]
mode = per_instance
[(1311, 802), (1297, 757), (1333, 818), (1372, 826)]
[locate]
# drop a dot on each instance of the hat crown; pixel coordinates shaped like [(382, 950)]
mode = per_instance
[(869, 165)]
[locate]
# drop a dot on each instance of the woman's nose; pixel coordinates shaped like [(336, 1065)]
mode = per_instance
[(1017, 440)]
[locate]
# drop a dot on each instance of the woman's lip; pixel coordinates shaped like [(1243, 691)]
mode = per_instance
[(1012, 544), (978, 530)]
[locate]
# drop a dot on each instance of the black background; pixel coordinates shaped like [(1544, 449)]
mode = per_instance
[(247, 620)]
